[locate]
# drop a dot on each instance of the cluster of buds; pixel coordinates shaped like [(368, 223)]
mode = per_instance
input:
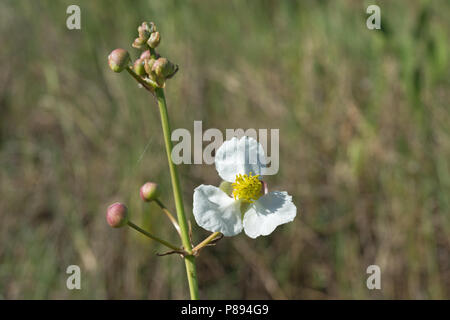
[(150, 67), (156, 68), (147, 36)]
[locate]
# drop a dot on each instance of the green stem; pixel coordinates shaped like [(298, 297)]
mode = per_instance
[(151, 236), (169, 215), (207, 241), (182, 221), (139, 79)]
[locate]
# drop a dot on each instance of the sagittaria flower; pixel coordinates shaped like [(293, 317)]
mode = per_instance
[(246, 204)]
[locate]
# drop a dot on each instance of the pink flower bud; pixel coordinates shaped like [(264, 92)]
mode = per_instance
[(117, 215), (118, 59), (149, 191), (145, 55)]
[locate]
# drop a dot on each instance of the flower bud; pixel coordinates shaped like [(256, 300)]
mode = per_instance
[(145, 55), (151, 27), (117, 215), (164, 68), (139, 67), (149, 191), (144, 31), (154, 39), (139, 43), (118, 60), (148, 64)]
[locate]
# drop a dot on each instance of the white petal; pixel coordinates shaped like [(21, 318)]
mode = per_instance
[(215, 211), (239, 156), (268, 212)]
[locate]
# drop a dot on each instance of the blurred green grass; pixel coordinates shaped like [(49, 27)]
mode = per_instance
[(364, 130)]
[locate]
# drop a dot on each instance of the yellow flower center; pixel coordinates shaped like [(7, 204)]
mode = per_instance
[(247, 187)]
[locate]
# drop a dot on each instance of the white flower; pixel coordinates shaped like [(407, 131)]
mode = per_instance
[(241, 162)]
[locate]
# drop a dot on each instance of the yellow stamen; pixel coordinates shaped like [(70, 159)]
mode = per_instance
[(247, 187)]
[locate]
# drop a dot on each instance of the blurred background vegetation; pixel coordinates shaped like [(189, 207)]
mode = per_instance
[(365, 146)]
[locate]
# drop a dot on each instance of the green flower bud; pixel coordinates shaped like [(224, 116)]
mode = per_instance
[(118, 60), (139, 67), (117, 215), (149, 191), (164, 68), (154, 39)]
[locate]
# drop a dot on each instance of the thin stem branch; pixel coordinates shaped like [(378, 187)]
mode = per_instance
[(182, 221), (140, 80), (169, 215), (151, 236), (205, 242)]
